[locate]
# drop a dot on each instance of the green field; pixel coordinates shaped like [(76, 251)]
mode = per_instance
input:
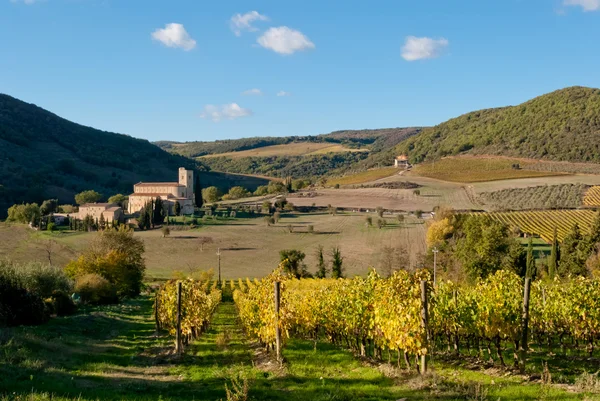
[(249, 247)]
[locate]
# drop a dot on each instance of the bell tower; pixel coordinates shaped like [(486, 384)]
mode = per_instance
[(186, 178)]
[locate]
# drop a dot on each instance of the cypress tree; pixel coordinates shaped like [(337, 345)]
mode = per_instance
[(159, 212), (102, 222), (198, 191), (177, 208), (321, 266), (553, 262), (336, 263)]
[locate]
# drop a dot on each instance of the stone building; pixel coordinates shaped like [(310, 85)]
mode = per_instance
[(110, 211), (181, 192), (401, 161)]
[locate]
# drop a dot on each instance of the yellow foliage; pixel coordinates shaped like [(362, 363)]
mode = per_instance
[(438, 231)]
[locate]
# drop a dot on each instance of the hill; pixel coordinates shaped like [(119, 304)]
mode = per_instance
[(45, 156), (563, 125), (297, 156)]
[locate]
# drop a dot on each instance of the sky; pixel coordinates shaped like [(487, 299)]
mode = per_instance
[(193, 70)]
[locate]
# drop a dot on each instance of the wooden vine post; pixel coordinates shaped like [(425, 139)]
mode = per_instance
[(424, 325), (178, 347), (277, 328), (525, 326)]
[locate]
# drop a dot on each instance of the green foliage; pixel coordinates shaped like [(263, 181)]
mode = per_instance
[(118, 199), (49, 206), (89, 196), (369, 221), (280, 203), (292, 261), (197, 191), (211, 194), (554, 256), (95, 289), (60, 303), (236, 193), (117, 256), (262, 190), (574, 252), (337, 269), (159, 214), (531, 269), (177, 209), (561, 125), (485, 247), (24, 213)]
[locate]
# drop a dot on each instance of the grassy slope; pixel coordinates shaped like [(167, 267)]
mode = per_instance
[(112, 353), (478, 169), (364, 176), (290, 149), (562, 125)]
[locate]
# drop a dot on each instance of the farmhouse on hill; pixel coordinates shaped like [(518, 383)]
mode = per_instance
[(181, 192), (401, 161), (109, 211)]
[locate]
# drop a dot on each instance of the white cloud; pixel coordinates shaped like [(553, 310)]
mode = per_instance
[(243, 22), (283, 93), (174, 35), (284, 40), (230, 111), (422, 48), (252, 92), (587, 5)]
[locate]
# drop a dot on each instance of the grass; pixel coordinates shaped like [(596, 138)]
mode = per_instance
[(469, 169), (290, 149), (248, 247), (364, 176), (113, 353)]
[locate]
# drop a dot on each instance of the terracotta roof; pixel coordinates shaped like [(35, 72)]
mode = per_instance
[(402, 157), (158, 184)]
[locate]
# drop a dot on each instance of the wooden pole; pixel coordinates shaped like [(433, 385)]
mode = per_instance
[(525, 324), (277, 328), (178, 334), (424, 325)]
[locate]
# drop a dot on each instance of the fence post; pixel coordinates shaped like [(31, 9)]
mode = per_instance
[(524, 327), (424, 325), (178, 334), (156, 320), (277, 328)]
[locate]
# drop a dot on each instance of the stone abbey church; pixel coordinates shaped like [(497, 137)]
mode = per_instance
[(181, 192)]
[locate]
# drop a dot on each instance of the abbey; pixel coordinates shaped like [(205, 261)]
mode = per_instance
[(181, 192)]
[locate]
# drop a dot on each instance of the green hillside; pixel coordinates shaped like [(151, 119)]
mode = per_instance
[(563, 125), (45, 156)]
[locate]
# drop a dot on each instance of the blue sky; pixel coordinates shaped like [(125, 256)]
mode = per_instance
[(198, 70)]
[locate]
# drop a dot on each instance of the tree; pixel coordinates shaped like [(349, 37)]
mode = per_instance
[(369, 221), (159, 212), (381, 223), (321, 265), (337, 270), (438, 232), (118, 199), (90, 196), (266, 206), (400, 218), (101, 222), (531, 270), (177, 208), (237, 193), (197, 191), (25, 213), (211, 194), (292, 262), (204, 241), (553, 261), (380, 211), (115, 255), (280, 203), (144, 219), (49, 206), (574, 252), (166, 231)]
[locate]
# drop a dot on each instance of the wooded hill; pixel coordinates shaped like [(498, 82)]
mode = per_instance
[(45, 156), (563, 125)]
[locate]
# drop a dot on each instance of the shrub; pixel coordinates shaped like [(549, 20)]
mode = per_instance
[(311, 229), (43, 280), (61, 304), (95, 289), (369, 221), (24, 213), (166, 231), (17, 305), (51, 227)]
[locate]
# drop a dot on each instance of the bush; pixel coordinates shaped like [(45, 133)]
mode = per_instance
[(95, 289), (311, 229), (61, 304), (43, 280), (51, 227), (166, 231), (17, 305)]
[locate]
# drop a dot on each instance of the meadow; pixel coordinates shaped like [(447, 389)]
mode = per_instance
[(249, 248)]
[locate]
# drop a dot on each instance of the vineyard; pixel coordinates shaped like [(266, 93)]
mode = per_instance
[(375, 316), (543, 222), (592, 196), (561, 196), (198, 303)]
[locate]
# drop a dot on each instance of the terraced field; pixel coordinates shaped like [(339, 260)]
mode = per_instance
[(543, 222)]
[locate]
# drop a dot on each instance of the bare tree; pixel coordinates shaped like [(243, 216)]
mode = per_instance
[(203, 241), (393, 259), (49, 248)]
